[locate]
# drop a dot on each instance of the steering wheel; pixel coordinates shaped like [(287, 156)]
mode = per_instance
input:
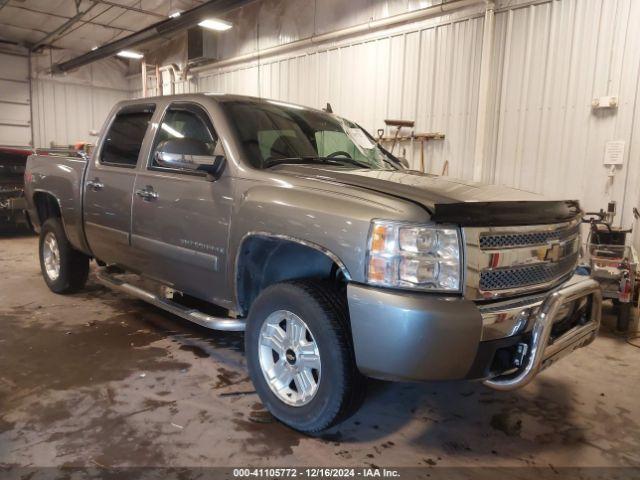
[(339, 153)]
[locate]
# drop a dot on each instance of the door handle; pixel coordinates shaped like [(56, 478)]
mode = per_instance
[(95, 184), (147, 194)]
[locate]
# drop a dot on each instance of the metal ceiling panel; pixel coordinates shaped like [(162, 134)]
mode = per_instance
[(29, 21)]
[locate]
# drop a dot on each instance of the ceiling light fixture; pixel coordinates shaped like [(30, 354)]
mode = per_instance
[(130, 54), (215, 24), (175, 15)]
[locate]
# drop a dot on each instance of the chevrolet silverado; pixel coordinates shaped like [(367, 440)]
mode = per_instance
[(293, 225)]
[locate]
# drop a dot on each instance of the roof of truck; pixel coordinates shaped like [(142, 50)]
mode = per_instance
[(218, 97)]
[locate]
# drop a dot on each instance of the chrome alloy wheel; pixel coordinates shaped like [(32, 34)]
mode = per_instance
[(289, 358), (51, 255)]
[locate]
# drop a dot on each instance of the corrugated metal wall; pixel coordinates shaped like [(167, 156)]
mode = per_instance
[(66, 108), (552, 59), (549, 60), (428, 74), (64, 113), (15, 114)]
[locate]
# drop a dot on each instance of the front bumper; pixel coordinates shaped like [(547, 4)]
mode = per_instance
[(418, 336)]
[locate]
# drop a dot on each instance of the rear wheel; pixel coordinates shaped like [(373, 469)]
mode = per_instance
[(300, 357), (65, 270)]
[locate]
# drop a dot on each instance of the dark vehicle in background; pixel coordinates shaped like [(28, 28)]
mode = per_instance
[(12, 204)]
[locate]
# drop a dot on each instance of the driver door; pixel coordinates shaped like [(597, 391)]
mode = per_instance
[(180, 216)]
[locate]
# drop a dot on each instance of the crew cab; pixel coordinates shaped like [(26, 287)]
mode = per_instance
[(293, 225)]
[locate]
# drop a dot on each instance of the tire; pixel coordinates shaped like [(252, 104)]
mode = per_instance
[(339, 387), (73, 265)]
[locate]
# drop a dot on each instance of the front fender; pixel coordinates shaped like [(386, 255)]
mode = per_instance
[(336, 223)]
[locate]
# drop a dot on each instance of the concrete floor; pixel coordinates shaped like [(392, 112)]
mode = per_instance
[(98, 379)]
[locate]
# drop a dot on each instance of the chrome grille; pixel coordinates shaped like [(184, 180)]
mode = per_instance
[(496, 241), (526, 275), (508, 261)]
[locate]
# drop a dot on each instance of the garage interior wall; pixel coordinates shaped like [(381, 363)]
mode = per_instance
[(546, 61), (66, 108), (15, 114), (531, 68)]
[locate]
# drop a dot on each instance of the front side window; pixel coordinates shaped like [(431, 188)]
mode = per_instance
[(273, 132), (185, 130), (124, 138)]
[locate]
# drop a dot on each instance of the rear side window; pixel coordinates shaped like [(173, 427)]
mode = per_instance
[(122, 144)]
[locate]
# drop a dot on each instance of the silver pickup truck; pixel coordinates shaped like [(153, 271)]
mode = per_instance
[(293, 225)]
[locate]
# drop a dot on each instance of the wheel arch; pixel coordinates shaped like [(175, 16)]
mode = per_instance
[(47, 205), (264, 258)]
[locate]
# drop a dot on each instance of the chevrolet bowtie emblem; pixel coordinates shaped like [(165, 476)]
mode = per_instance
[(551, 253)]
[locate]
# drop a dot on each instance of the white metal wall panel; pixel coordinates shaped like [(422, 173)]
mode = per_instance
[(12, 91), (15, 109), (64, 113), (429, 75), (549, 60), (552, 59)]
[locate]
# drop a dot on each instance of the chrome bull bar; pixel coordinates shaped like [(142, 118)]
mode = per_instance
[(541, 352)]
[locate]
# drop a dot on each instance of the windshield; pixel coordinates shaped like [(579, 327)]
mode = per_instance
[(274, 133)]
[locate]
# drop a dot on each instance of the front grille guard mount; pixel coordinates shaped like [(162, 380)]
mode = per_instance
[(540, 350)]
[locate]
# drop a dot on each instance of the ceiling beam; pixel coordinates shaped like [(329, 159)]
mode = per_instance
[(166, 27), (66, 25), (83, 22), (131, 9)]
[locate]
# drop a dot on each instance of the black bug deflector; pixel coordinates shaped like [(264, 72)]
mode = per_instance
[(502, 214)]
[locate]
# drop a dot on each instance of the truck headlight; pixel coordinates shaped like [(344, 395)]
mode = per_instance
[(413, 256)]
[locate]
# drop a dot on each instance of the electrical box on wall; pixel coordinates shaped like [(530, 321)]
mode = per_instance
[(202, 45), (610, 101)]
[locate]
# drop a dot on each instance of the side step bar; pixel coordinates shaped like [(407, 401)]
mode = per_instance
[(195, 316)]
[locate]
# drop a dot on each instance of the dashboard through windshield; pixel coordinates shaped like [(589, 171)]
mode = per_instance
[(273, 133)]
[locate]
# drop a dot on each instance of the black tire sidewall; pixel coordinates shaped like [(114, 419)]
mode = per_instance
[(61, 284), (328, 399)]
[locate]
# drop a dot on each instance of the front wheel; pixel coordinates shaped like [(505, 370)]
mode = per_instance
[(64, 269), (300, 357)]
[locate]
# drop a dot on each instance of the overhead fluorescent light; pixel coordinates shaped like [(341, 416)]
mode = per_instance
[(175, 15), (94, 48), (130, 54), (215, 24)]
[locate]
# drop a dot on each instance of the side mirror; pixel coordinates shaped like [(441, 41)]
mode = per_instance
[(188, 154), (215, 168)]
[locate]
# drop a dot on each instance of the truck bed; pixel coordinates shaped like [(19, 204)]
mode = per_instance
[(62, 178)]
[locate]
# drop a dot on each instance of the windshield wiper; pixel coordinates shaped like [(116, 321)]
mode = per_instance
[(350, 161), (271, 162)]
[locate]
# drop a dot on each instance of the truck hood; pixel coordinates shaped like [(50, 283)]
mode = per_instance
[(448, 200)]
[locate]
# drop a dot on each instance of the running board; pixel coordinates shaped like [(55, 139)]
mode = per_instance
[(193, 315)]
